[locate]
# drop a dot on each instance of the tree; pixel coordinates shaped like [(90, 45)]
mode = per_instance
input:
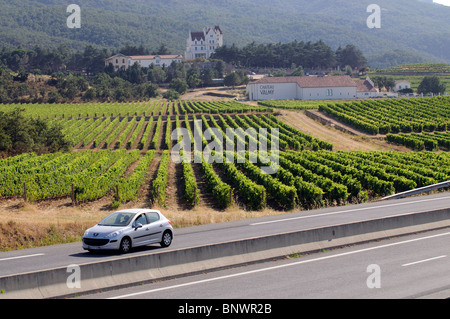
[(207, 77), (20, 134), (163, 50), (379, 81), (389, 83), (350, 55), (171, 94), (219, 68), (179, 85), (232, 79), (193, 78), (431, 84), (156, 74)]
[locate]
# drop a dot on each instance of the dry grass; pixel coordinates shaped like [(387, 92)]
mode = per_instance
[(341, 141), (28, 225)]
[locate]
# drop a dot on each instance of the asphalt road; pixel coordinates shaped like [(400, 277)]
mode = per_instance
[(415, 266), (28, 260)]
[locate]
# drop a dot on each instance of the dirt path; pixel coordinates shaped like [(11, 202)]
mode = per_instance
[(340, 140)]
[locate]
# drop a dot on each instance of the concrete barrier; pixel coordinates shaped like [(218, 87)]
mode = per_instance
[(130, 270)]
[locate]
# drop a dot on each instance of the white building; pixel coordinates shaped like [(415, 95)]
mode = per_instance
[(366, 89), (203, 43), (303, 88), (401, 85), (120, 61)]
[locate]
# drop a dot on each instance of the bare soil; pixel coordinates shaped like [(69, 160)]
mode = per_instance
[(340, 140)]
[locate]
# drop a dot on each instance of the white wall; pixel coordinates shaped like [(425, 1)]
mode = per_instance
[(402, 85), (366, 95), (272, 91), (291, 91), (147, 62), (328, 93)]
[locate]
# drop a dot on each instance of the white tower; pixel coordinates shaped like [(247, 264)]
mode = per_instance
[(203, 43)]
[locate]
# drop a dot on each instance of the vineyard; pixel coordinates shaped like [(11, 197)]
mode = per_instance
[(421, 68), (302, 179), (426, 141), (153, 107), (154, 132), (132, 157), (393, 116)]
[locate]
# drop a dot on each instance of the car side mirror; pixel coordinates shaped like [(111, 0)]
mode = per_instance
[(138, 225)]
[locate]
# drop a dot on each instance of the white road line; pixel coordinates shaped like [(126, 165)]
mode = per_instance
[(424, 260), (348, 211), (277, 267), (19, 257)]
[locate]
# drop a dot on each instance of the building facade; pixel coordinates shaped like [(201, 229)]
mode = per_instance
[(401, 85), (303, 88), (120, 61), (204, 43), (366, 89)]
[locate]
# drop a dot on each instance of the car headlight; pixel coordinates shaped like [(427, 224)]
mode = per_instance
[(86, 233), (113, 234)]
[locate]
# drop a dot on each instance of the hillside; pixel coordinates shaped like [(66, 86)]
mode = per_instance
[(411, 31)]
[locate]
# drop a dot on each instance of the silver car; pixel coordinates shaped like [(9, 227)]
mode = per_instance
[(129, 228)]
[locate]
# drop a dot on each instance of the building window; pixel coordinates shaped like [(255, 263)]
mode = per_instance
[(329, 92)]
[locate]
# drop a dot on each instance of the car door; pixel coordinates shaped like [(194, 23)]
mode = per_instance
[(155, 228), (140, 232)]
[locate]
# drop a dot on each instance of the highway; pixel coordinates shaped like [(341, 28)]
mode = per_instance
[(405, 267), (29, 260)]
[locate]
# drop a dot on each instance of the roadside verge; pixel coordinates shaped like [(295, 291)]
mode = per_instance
[(131, 270)]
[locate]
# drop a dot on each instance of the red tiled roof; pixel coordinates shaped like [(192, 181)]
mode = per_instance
[(312, 81), (151, 57), (364, 86)]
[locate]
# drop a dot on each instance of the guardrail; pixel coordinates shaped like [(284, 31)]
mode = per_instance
[(418, 190), (132, 270)]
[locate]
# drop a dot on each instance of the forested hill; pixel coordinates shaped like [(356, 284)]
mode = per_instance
[(411, 31)]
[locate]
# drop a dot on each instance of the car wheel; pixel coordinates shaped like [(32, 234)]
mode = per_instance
[(125, 245), (166, 239)]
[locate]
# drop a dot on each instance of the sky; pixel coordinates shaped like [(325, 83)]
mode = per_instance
[(444, 2)]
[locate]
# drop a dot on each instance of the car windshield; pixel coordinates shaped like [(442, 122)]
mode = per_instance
[(117, 219)]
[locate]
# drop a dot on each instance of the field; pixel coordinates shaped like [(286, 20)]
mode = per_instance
[(425, 141), (302, 179), (393, 116), (421, 68), (154, 132), (153, 107), (128, 160)]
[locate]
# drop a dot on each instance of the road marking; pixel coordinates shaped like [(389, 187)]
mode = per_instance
[(347, 211), (276, 267), (19, 257), (424, 260)]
